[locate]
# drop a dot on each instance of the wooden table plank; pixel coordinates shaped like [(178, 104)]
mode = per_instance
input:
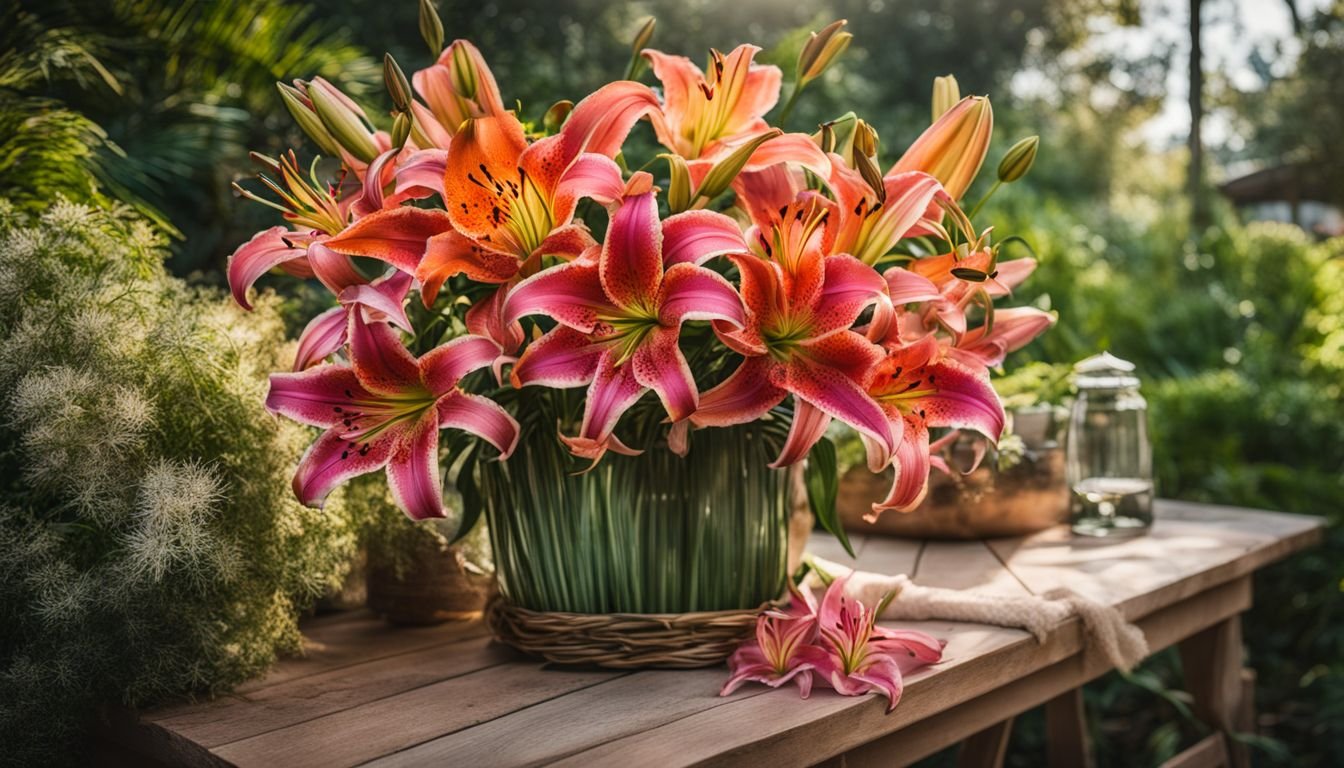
[(306, 698), (966, 565), (388, 725)]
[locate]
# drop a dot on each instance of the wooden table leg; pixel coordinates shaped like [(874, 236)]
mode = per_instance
[(987, 748), (1212, 662), (1066, 740)]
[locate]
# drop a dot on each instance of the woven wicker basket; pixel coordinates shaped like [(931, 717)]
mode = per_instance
[(623, 640)]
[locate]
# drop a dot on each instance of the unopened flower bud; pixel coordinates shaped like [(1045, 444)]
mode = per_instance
[(643, 37), (953, 148), (401, 129), (946, 94), (397, 85), (1019, 159), (308, 121), (556, 116), (679, 197), (431, 27), (821, 50), (342, 119), (466, 79), (721, 176), (865, 139)]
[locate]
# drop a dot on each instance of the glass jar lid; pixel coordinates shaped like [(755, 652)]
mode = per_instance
[(1105, 371)]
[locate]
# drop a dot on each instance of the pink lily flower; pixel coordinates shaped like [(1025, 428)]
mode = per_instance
[(912, 205), (702, 112), (1012, 329), (856, 656), (385, 409), (801, 305), (327, 234), (620, 315), (774, 658), (918, 387), (380, 301)]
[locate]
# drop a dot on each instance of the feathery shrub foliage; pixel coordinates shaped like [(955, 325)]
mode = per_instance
[(149, 542)]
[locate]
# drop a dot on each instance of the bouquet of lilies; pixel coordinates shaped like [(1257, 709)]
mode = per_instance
[(472, 253)]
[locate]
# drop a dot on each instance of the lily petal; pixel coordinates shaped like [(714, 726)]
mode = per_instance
[(331, 460), (319, 397), (614, 389), (593, 175), (486, 318), (571, 293), (380, 360), (482, 164), (809, 425), (689, 292), (451, 253), (445, 365), (695, 237), (480, 416), (911, 483), (397, 236), (321, 337), (824, 378), (746, 395), (849, 287), (659, 365), (560, 359), (631, 264), (267, 249), (413, 470)]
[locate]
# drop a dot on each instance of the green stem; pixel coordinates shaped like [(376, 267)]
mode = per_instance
[(984, 199), (788, 105)]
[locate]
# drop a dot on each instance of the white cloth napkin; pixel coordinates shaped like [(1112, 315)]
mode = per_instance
[(1107, 631)]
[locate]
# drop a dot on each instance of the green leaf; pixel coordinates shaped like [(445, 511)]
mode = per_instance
[(822, 478), (472, 503)]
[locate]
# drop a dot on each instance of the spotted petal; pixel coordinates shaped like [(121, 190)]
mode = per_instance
[(331, 460), (397, 236), (266, 250), (413, 470), (482, 417), (695, 237)]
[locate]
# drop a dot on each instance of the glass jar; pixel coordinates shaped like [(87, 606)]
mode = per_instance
[(1109, 460)]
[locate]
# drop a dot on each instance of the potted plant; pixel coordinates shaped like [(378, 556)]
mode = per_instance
[(618, 369)]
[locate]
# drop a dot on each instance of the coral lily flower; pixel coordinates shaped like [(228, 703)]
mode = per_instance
[(917, 387), (856, 656), (701, 111), (385, 409), (1011, 329), (620, 313), (511, 203), (798, 340)]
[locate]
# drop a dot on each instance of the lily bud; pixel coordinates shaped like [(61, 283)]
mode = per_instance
[(556, 116), (953, 148), (1018, 160), (343, 120), (946, 94), (398, 87), (465, 78), (679, 197), (643, 37), (821, 50), (721, 176), (307, 119), (431, 27), (841, 130), (865, 139), (401, 129)]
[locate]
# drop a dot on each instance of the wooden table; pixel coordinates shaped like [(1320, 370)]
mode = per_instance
[(368, 694)]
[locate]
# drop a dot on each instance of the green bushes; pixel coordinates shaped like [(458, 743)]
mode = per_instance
[(149, 542)]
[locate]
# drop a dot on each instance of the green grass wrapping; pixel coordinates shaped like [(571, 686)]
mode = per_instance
[(654, 533)]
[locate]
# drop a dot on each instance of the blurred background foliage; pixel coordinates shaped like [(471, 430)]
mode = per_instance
[(1238, 328)]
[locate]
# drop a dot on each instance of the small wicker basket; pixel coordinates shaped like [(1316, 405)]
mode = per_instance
[(623, 640)]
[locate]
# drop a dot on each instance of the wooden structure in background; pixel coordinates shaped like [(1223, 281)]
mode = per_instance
[(369, 694)]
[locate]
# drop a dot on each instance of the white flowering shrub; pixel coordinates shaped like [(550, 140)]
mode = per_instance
[(149, 542)]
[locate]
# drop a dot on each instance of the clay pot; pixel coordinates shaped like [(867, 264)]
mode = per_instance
[(1025, 498), (437, 586)]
